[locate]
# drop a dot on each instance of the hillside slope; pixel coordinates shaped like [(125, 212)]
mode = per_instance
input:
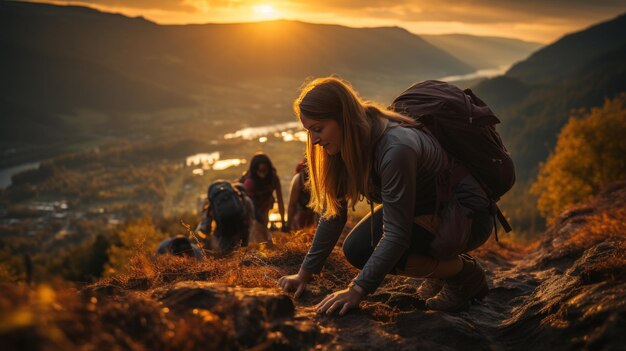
[(74, 73), (565, 293), (566, 56), (173, 60), (483, 52)]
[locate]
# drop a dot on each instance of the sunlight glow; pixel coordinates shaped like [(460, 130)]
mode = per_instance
[(264, 10), (452, 19), (231, 162), (274, 217)]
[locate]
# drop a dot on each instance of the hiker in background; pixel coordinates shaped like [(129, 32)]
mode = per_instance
[(299, 215), (257, 232), (261, 181), (358, 149), (232, 214), (180, 246)]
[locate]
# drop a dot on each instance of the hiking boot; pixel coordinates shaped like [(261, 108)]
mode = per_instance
[(429, 288), (457, 292)]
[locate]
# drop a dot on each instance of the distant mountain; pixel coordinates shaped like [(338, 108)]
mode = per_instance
[(61, 58), (68, 70), (536, 96), (481, 51), (569, 55)]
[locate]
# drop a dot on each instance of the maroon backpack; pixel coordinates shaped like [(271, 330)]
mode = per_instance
[(465, 127)]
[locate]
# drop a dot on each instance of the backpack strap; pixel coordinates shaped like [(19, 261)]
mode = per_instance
[(372, 222), (452, 176), (240, 190), (498, 216)]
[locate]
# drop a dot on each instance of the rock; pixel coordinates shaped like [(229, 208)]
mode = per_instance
[(252, 310), (188, 295)]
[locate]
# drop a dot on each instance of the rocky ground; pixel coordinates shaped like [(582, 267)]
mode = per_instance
[(566, 292)]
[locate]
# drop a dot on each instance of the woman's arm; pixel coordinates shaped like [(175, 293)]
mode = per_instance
[(398, 174), (326, 236), (281, 204), (248, 184), (397, 170), (294, 197), (325, 239)]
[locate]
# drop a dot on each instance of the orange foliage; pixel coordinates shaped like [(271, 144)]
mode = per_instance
[(589, 154)]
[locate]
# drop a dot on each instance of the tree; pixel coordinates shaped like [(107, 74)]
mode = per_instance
[(589, 155)]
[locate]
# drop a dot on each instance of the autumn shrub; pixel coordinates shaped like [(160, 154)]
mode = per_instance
[(138, 238), (589, 155)]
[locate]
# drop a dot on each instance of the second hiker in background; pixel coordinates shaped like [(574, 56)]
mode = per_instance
[(228, 209), (299, 215), (261, 181)]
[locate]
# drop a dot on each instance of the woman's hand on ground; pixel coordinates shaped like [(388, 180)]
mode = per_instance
[(342, 300), (294, 283)]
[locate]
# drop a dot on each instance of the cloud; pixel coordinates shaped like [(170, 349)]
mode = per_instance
[(537, 20), (189, 6), (172, 5), (467, 11), (483, 11)]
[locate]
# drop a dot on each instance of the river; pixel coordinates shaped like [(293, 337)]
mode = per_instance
[(481, 73), (7, 173)]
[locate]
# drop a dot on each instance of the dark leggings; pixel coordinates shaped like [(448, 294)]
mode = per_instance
[(358, 247)]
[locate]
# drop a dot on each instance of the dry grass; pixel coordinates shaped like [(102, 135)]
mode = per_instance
[(599, 227), (56, 317), (119, 312), (606, 227)]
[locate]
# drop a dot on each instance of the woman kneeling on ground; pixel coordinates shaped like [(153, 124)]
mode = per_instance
[(358, 149)]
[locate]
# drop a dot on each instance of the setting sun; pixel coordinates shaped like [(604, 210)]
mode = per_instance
[(264, 10)]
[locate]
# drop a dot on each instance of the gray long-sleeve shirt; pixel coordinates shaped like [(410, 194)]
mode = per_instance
[(404, 160)]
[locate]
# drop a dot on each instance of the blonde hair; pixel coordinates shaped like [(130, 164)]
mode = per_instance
[(347, 175)]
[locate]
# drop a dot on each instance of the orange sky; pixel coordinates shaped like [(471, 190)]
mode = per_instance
[(535, 20)]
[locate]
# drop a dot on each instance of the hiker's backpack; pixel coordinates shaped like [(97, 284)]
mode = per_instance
[(465, 127), (225, 202)]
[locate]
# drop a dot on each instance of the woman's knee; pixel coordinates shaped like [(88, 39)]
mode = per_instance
[(358, 245), (354, 252)]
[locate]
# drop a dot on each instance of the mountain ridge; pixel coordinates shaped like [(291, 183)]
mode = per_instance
[(571, 52), (535, 100), (211, 69), (483, 51)]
